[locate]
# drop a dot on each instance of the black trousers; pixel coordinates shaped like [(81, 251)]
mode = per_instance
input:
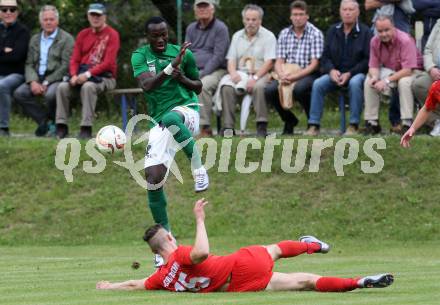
[(301, 93)]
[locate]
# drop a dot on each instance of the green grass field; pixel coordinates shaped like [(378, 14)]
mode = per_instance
[(57, 239), (67, 275)]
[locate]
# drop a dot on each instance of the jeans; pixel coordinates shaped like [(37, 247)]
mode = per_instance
[(8, 83), (324, 84), (394, 109)]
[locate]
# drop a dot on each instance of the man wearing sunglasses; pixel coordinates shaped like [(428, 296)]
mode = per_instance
[(14, 39)]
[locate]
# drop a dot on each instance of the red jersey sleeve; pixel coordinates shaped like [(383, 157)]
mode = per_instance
[(183, 255), (153, 282), (111, 53), (433, 98), (75, 59)]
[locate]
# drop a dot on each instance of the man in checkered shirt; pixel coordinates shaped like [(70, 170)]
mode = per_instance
[(301, 44)]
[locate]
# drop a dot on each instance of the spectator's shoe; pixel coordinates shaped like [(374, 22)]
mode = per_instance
[(396, 129), (85, 133), (405, 129), (52, 130), (289, 127), (312, 239), (4, 132), (376, 281), (435, 132), (312, 131), (158, 261), (201, 179), (371, 129), (229, 132), (62, 131), (352, 130), (41, 130), (205, 132), (262, 129)]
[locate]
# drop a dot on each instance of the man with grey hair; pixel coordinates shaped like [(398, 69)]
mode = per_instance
[(344, 64), (209, 39), (394, 63), (46, 64), (14, 39), (250, 58)]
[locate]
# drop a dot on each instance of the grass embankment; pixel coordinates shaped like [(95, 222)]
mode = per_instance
[(38, 206)]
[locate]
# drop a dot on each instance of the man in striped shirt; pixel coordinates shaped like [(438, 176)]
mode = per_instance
[(302, 44)]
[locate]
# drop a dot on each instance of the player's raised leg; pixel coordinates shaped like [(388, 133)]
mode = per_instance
[(291, 248), (182, 123)]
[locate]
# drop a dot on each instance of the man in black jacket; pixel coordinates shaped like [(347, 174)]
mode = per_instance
[(344, 62), (14, 39)]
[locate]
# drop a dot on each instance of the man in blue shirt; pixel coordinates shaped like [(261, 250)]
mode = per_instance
[(46, 65), (344, 64)]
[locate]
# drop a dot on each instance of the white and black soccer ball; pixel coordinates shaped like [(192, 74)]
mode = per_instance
[(110, 139)]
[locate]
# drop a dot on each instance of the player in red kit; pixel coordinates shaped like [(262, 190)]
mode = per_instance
[(431, 110), (194, 269)]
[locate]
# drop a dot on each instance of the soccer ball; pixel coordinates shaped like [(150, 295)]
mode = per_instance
[(110, 139)]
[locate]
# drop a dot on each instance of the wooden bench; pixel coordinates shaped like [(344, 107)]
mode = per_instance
[(127, 101)]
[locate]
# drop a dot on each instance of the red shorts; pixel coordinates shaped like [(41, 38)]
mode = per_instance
[(252, 270)]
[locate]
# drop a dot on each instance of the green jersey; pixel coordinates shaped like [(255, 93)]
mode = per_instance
[(171, 93)]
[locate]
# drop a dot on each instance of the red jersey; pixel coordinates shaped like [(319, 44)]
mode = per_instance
[(99, 50), (180, 274), (433, 99)]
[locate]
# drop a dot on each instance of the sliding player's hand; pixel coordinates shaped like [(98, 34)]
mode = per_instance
[(406, 138), (199, 209), (103, 285), (178, 60)]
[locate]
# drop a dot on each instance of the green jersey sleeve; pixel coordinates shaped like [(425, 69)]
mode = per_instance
[(190, 67), (139, 63)]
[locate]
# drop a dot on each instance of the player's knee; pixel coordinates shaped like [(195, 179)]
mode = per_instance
[(155, 176), (171, 119)]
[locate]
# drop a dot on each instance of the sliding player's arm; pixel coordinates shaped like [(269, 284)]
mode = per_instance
[(200, 251), (127, 285)]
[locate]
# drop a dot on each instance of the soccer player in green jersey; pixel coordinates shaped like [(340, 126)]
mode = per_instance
[(170, 79)]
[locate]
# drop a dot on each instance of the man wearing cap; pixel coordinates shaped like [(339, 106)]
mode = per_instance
[(46, 65), (14, 39), (92, 70), (209, 39)]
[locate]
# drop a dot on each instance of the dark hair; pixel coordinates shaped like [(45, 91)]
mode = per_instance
[(299, 4), (153, 20), (151, 231)]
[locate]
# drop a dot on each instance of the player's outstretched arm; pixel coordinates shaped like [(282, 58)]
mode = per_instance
[(200, 251), (127, 285), (420, 119)]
